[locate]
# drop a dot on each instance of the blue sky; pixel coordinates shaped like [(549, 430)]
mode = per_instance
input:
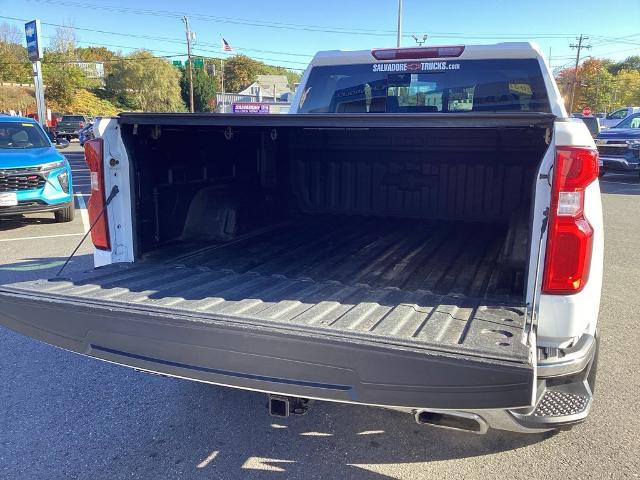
[(288, 32)]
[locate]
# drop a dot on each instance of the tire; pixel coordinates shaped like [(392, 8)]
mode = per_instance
[(66, 214)]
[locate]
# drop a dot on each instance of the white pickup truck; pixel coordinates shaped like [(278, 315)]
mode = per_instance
[(422, 233)]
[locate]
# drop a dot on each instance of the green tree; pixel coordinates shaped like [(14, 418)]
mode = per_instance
[(62, 79), (626, 88), (61, 75), (241, 71), (630, 63), (595, 85), (14, 64), (97, 54), (204, 90), (141, 81)]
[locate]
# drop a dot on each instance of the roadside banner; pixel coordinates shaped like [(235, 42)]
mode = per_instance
[(248, 107)]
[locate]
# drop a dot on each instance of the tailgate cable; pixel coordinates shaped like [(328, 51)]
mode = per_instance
[(112, 194)]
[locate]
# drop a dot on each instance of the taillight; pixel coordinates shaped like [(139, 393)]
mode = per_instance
[(416, 53), (81, 124), (93, 151), (570, 236)]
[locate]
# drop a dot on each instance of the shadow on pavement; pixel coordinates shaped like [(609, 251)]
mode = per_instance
[(231, 435), (11, 223), (42, 268), (620, 184)]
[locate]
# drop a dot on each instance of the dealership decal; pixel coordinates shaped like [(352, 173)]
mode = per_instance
[(415, 67)]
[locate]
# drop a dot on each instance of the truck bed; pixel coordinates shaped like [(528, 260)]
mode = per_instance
[(352, 310), (408, 282)]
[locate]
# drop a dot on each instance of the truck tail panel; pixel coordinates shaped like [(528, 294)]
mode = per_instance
[(304, 359)]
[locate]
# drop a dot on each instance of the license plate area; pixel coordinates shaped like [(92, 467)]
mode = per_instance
[(8, 199)]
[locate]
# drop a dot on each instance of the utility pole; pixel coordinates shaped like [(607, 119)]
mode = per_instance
[(222, 73), (185, 19), (399, 37), (579, 46)]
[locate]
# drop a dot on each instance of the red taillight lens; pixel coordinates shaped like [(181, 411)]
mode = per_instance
[(570, 236), (81, 124), (417, 53), (93, 154)]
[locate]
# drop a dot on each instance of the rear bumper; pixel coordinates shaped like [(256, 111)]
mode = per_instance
[(620, 163), (278, 360), (32, 207), (564, 393)]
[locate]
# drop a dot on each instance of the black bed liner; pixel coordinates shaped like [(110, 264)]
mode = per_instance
[(408, 283), (381, 319)]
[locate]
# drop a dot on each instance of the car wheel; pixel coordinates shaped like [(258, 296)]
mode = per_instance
[(66, 214)]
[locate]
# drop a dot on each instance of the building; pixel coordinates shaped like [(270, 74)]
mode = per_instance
[(270, 88)]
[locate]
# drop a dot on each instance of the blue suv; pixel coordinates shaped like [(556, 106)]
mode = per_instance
[(34, 176)]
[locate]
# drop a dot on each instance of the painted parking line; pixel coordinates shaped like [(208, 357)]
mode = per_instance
[(83, 212), (41, 236)]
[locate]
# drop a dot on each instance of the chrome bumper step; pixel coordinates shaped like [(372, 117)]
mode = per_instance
[(561, 404)]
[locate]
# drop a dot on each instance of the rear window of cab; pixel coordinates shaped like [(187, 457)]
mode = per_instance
[(434, 86)]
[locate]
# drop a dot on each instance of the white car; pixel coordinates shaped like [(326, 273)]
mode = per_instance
[(614, 118), (423, 233)]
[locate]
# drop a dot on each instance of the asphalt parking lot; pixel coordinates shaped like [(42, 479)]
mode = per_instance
[(66, 416)]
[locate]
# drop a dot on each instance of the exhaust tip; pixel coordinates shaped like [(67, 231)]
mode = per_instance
[(464, 422)]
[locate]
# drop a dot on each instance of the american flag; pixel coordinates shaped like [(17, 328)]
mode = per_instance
[(225, 46)]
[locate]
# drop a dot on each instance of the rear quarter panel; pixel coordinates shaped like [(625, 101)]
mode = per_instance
[(564, 318)]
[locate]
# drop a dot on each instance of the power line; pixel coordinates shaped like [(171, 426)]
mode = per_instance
[(162, 39), (93, 60), (307, 27), (230, 20), (146, 37)]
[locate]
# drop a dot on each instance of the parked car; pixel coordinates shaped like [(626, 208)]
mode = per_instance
[(70, 125), (619, 147), (55, 119), (615, 117), (86, 133), (422, 232), (34, 176)]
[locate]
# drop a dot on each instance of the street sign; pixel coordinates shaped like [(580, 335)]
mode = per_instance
[(247, 107), (198, 63), (34, 43), (586, 112), (34, 52), (177, 63)]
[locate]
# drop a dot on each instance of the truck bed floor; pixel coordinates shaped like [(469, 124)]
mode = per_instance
[(416, 283)]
